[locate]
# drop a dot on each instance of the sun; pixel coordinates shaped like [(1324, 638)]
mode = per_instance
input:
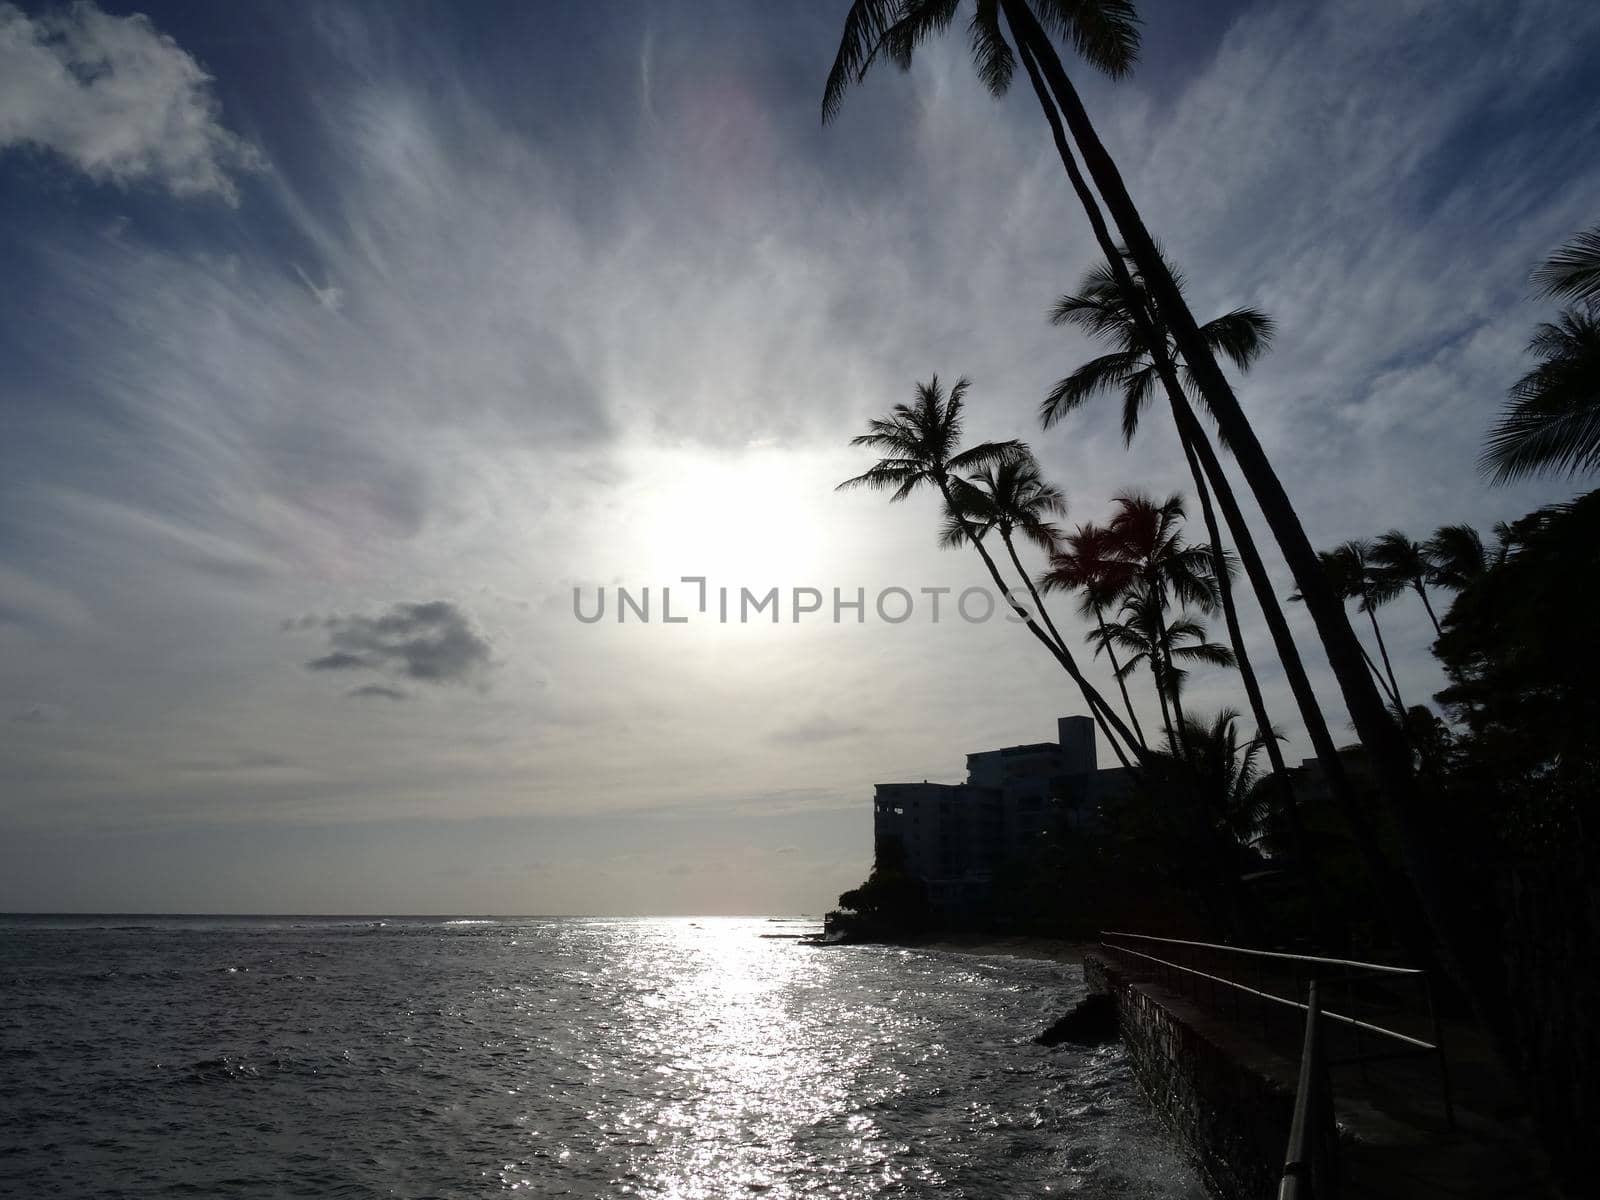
[(744, 518)]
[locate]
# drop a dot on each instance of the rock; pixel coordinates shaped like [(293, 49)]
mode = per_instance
[(1092, 1022)]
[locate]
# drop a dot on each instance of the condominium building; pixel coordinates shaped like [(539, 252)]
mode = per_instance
[(955, 837)]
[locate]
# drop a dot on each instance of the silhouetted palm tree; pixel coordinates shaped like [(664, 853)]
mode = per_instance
[(1552, 423), (1349, 571), (921, 446), (1134, 370), (1230, 780), (1011, 498), (1149, 639), (1087, 562), (1573, 271), (1398, 562), (1150, 539), (1456, 556), (1105, 34)]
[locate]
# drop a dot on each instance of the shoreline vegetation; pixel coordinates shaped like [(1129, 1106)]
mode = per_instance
[(1457, 837)]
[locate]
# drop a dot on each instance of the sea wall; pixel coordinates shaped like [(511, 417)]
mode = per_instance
[(1231, 1110)]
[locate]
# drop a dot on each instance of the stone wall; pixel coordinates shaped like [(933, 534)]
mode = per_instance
[(1231, 1112)]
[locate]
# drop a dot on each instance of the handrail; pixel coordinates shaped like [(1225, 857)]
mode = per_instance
[(1302, 1161), (1354, 969), (1285, 1001), (1379, 968)]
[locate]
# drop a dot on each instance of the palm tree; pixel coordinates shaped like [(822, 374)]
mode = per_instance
[(1398, 562), (1149, 639), (1573, 271), (1349, 571), (1133, 370), (1552, 422), (920, 443), (1240, 805), (1105, 34), (1088, 562), (1150, 538), (1456, 556), (1011, 498)]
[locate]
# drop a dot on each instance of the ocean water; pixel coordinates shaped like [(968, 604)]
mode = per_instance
[(164, 1057)]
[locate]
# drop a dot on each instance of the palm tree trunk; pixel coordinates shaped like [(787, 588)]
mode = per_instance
[(1386, 747), (1116, 671), (1230, 611), (1402, 901), (1394, 684), (1091, 694), (1423, 592), (1377, 674), (1171, 677), (1065, 660)]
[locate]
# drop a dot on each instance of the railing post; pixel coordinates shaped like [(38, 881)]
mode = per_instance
[(1438, 1044), (1307, 1172)]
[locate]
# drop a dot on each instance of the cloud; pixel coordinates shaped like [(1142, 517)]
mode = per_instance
[(378, 691), (818, 728), (119, 100), (434, 642), (39, 714)]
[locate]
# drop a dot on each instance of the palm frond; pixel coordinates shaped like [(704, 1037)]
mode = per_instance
[(1104, 33), (1109, 372), (864, 28), (1244, 335), (1573, 271), (1552, 422), (991, 53)]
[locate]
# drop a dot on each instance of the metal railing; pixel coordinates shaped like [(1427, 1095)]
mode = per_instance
[(1301, 970), (1310, 1164)]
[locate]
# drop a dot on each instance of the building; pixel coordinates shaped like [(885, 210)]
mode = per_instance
[(956, 837)]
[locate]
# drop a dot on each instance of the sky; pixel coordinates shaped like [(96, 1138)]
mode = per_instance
[(340, 344)]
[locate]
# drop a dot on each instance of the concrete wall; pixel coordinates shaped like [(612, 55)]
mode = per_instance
[(1231, 1113)]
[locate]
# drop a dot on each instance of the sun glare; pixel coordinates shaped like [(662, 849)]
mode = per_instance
[(750, 518)]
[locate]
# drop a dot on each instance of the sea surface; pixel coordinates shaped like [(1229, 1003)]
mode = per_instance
[(353, 1057)]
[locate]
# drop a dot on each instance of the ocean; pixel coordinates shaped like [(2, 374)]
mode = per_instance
[(421, 1057)]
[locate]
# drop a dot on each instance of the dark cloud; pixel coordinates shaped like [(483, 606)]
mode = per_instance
[(379, 692), (432, 642), (338, 662)]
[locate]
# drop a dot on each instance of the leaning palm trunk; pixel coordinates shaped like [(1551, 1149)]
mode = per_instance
[(1091, 694), (1230, 612), (1423, 592), (1402, 900), (1065, 659), (1116, 671), (1169, 678), (1379, 733), (1383, 652)]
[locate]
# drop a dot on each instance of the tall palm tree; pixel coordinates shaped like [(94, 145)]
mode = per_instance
[(1456, 556), (1105, 34), (1087, 562), (1149, 639), (1552, 421), (921, 447), (1398, 562), (1137, 366)]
